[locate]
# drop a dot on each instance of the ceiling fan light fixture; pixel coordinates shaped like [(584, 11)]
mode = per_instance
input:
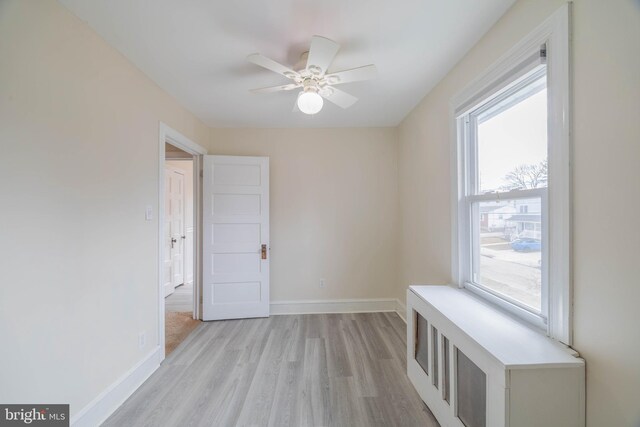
[(309, 102), (310, 74)]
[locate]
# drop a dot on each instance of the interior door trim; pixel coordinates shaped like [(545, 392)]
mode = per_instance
[(166, 134)]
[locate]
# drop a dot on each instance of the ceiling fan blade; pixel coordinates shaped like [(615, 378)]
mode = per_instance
[(321, 54), (272, 65), (338, 97), (276, 88), (366, 72)]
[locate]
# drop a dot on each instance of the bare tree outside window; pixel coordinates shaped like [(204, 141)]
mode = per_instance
[(526, 176)]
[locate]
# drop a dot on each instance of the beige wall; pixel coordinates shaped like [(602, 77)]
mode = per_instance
[(606, 189), (79, 134), (334, 208)]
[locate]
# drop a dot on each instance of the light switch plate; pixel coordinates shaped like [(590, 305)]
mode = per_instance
[(148, 213)]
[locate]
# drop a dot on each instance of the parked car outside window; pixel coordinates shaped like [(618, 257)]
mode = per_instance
[(526, 245)]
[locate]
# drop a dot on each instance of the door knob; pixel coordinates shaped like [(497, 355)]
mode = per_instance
[(263, 252), (173, 240)]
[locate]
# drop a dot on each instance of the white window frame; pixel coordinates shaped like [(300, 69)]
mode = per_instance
[(554, 32)]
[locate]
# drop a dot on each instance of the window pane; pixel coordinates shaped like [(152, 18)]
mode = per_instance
[(512, 140), (508, 248)]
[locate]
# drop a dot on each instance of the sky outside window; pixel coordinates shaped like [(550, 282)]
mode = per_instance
[(514, 137)]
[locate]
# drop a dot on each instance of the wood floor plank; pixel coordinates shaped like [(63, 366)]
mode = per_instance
[(399, 326), (284, 412), (360, 359), (262, 390), (345, 412), (396, 346), (140, 406), (403, 406), (314, 407), (295, 351), (234, 397), (201, 393), (375, 345), (338, 362), (377, 412), (192, 346), (283, 371)]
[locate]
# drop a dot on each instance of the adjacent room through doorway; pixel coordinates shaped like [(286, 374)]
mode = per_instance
[(178, 240)]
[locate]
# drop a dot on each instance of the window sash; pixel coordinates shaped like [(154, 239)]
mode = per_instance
[(472, 260), (490, 108), (523, 78)]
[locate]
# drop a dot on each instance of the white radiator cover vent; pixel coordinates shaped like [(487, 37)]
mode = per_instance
[(477, 367)]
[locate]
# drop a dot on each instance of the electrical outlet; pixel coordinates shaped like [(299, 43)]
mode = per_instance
[(142, 340), (322, 283)]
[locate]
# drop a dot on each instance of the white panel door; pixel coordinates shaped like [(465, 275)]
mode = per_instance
[(178, 236), (235, 237), (167, 275), (174, 232)]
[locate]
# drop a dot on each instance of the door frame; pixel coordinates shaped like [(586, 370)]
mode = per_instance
[(168, 135)]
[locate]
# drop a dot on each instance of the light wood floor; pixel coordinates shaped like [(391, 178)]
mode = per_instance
[(180, 300), (298, 370)]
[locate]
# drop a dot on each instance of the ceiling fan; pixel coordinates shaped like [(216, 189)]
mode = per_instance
[(312, 77)]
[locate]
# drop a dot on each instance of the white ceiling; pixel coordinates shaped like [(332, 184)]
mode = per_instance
[(196, 50)]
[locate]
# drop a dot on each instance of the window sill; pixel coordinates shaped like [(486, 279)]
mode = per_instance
[(511, 342), (534, 320)]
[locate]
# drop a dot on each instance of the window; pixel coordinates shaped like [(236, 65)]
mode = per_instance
[(512, 182), (507, 142)]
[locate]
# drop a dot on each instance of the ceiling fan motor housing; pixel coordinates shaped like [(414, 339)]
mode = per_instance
[(310, 84)]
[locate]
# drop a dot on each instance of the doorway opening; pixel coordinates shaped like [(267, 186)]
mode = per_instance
[(178, 241), (179, 238)]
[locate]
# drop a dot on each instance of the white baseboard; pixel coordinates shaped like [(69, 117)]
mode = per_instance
[(100, 408), (401, 309), (333, 306)]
